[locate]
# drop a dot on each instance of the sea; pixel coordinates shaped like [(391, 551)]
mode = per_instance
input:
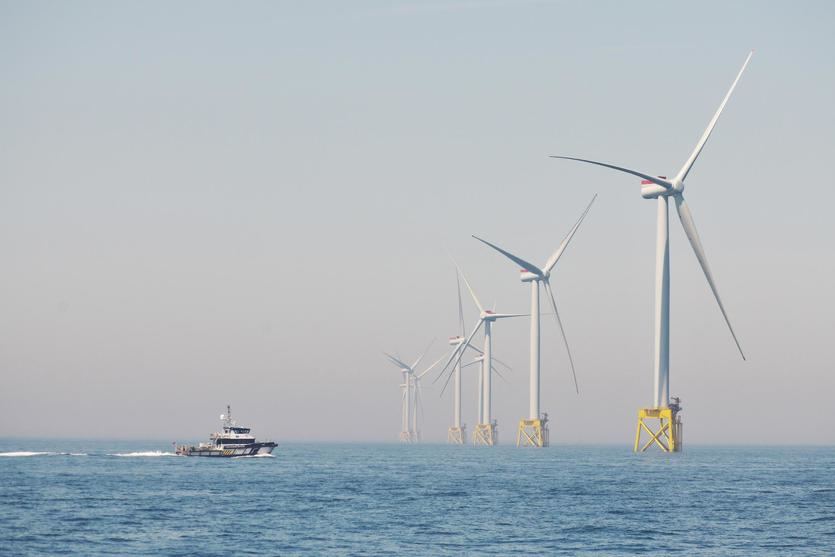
[(98, 497)]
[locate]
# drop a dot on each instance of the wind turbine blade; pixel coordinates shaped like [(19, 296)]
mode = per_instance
[(477, 349), (495, 359), (448, 377), (460, 307), (682, 174), (498, 361), (654, 179), (458, 353), (564, 244), (518, 260), (506, 315), (430, 368), (452, 371), (562, 331), (395, 361), (452, 356), (689, 226), (499, 374), (417, 362), (470, 288)]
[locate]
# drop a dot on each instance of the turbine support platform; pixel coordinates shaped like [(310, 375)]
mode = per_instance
[(409, 437), (486, 434), (533, 433), (456, 435), (663, 427)]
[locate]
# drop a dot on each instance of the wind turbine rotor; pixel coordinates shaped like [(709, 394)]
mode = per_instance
[(397, 362), (658, 186)]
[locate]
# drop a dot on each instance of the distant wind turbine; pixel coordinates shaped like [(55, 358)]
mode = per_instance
[(410, 432), (486, 429), (534, 430)]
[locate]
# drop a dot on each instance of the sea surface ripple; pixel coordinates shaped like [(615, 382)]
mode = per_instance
[(122, 498)]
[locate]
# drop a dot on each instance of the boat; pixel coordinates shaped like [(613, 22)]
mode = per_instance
[(233, 441)]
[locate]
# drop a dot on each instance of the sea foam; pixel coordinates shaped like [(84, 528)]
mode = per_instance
[(144, 453)]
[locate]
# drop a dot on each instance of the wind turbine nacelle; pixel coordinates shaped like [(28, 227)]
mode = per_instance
[(455, 341), (651, 190), (527, 276)]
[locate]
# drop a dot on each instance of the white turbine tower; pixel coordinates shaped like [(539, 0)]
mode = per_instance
[(486, 432), (533, 431), (457, 433), (668, 436)]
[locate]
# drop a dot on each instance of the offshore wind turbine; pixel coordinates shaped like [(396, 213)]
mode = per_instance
[(669, 435), (486, 431), (457, 432), (408, 433), (533, 430)]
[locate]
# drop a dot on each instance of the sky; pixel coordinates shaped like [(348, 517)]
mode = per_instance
[(211, 203)]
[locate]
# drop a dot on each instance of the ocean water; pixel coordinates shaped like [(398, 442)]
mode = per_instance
[(134, 498)]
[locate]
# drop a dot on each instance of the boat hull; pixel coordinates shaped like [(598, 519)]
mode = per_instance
[(251, 449)]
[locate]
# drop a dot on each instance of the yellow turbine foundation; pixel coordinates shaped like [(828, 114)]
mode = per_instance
[(486, 434), (669, 433), (533, 433), (456, 435), (409, 437)]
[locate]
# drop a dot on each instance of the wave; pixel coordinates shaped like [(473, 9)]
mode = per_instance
[(145, 453)]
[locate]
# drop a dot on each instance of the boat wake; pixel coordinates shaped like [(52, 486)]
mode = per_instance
[(260, 455), (39, 453), (144, 453)]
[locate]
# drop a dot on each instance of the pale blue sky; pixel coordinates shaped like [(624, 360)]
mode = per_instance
[(210, 202)]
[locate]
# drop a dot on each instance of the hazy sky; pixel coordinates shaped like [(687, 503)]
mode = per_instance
[(205, 203)]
